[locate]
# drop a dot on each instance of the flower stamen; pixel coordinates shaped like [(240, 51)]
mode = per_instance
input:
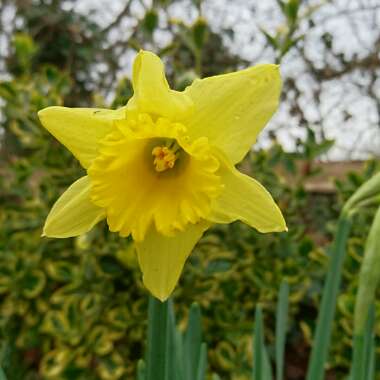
[(165, 156)]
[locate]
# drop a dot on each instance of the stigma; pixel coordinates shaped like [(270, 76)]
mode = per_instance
[(164, 158)]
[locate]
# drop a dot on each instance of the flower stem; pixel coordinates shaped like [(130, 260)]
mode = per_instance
[(364, 350), (158, 314)]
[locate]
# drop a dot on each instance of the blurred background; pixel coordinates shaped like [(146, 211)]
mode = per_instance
[(76, 308)]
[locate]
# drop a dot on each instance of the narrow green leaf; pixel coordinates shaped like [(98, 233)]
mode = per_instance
[(267, 368), (369, 276), (270, 39), (157, 339), (367, 191), (281, 323), (175, 363), (141, 370), (192, 343), (363, 350), (179, 356), (291, 10), (171, 362), (258, 342), (321, 341), (371, 360), (369, 342), (265, 362), (202, 364), (2, 374), (358, 363), (215, 377)]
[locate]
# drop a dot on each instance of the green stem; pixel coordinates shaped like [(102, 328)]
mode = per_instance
[(362, 353), (369, 276), (358, 367), (158, 314), (326, 315)]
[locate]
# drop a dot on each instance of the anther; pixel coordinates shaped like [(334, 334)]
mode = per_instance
[(164, 158)]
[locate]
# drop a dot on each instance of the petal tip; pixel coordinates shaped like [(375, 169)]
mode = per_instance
[(157, 293), (44, 231), (281, 226), (146, 53), (46, 234), (42, 113), (272, 229), (46, 112), (161, 298)]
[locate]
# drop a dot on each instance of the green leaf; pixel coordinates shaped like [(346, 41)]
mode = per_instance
[(33, 283), (200, 32), (202, 365), (281, 322), (369, 190), (150, 21), (91, 304), (179, 357), (61, 270), (218, 266), (7, 91), (291, 10), (272, 41), (141, 370), (369, 276), (119, 317), (267, 366), (363, 352), (369, 343), (111, 367), (192, 342), (198, 4), (261, 364), (99, 340), (174, 364), (111, 266), (321, 341), (54, 362), (371, 359), (2, 374)]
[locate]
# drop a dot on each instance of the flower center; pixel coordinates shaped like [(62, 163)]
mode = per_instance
[(149, 174), (165, 156)]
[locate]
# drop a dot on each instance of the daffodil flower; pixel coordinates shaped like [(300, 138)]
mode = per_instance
[(162, 168)]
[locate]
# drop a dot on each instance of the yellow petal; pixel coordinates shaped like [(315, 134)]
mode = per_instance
[(162, 258), (232, 109), (151, 89), (245, 199), (73, 214), (80, 129)]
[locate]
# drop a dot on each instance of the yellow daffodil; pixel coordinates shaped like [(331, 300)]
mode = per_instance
[(161, 169)]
